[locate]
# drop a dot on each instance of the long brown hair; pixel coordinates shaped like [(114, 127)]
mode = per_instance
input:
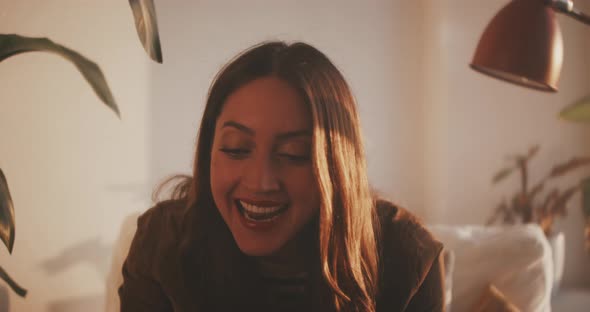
[(347, 227)]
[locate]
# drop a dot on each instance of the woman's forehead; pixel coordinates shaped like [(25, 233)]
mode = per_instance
[(267, 103)]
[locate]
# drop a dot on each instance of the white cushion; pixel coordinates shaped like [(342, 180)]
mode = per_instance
[(449, 266), (516, 259)]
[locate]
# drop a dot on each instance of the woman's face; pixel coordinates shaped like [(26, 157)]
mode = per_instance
[(262, 176)]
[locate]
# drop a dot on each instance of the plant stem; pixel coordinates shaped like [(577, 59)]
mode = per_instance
[(522, 165), (523, 200)]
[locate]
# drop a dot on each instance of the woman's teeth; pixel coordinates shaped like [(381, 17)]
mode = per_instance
[(260, 213), (259, 209)]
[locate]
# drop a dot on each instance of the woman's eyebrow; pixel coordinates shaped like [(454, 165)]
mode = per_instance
[(238, 126), (281, 136)]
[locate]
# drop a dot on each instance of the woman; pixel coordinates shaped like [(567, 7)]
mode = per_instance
[(278, 214)]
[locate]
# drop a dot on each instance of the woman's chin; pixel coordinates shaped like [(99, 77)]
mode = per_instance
[(255, 250)]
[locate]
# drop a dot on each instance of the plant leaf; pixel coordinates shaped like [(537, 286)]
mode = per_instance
[(502, 174), (549, 200), (535, 191), (15, 287), (568, 166), (11, 44), (146, 24), (533, 151), (585, 184), (579, 111), (559, 205), (6, 214)]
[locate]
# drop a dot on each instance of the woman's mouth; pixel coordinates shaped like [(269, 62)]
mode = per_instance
[(260, 212)]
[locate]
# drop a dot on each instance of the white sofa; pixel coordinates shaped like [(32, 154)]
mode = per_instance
[(518, 260)]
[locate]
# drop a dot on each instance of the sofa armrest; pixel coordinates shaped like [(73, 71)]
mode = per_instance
[(516, 259)]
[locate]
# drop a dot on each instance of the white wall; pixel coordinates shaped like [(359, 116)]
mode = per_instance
[(435, 130)]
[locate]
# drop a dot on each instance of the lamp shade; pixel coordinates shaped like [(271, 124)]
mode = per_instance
[(522, 45)]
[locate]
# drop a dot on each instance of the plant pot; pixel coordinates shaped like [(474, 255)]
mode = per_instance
[(557, 243)]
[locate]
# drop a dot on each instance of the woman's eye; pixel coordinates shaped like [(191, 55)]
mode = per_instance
[(236, 153)]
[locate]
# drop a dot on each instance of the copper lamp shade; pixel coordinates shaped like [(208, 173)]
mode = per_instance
[(522, 45)]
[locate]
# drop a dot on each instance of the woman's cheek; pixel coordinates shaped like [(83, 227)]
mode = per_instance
[(224, 170)]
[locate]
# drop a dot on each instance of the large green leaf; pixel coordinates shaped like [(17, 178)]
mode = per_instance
[(144, 13), (579, 111), (15, 287), (11, 44), (6, 214)]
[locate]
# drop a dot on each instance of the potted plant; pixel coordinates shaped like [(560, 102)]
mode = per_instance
[(579, 111), (543, 202), (528, 205)]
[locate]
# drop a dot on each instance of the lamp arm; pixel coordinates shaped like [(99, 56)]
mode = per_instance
[(567, 7)]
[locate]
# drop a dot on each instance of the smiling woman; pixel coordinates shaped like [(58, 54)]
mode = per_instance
[(278, 214), (262, 176)]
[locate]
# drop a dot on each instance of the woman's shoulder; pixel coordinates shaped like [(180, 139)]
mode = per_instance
[(165, 215), (408, 249), (158, 230), (151, 270), (399, 223)]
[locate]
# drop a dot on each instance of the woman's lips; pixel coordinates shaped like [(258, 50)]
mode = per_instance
[(261, 215)]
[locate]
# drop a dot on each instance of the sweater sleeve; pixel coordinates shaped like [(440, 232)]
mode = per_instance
[(412, 276), (430, 295), (141, 291)]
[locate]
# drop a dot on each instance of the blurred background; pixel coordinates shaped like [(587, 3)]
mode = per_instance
[(435, 130)]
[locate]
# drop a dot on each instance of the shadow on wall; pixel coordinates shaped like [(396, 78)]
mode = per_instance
[(90, 252), (98, 255), (4, 300)]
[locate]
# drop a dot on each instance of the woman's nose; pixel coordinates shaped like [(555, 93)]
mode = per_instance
[(261, 175)]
